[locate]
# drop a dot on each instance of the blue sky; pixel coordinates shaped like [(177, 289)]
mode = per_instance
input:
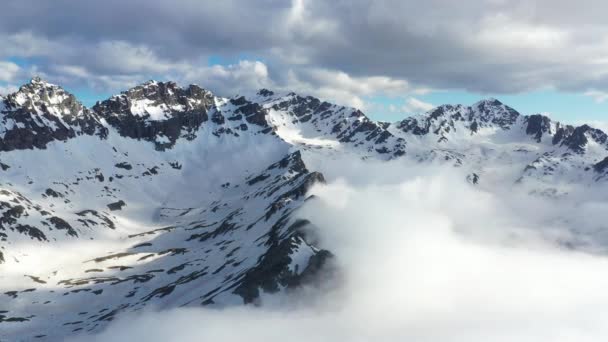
[(562, 106)]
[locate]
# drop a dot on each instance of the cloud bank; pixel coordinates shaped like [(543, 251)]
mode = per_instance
[(423, 256), (340, 50)]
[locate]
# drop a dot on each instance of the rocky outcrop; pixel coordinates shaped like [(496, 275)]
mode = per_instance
[(602, 166), (445, 119), (40, 112), (348, 126), (158, 112), (577, 138), (537, 125)]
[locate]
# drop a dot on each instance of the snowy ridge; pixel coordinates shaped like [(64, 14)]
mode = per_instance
[(489, 133)]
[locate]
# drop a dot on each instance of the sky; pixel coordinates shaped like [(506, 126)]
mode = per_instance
[(389, 58)]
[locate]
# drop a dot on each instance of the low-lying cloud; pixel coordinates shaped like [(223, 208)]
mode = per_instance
[(422, 256)]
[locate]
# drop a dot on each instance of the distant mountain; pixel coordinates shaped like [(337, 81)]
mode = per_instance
[(179, 197)]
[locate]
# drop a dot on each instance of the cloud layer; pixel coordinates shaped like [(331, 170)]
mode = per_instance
[(423, 256), (342, 50)]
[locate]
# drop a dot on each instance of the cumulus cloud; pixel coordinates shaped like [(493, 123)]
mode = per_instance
[(341, 87), (228, 80), (597, 95), (422, 256), (480, 45), (8, 71), (415, 105)]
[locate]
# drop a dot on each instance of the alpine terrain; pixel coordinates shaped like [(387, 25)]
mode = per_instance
[(166, 196)]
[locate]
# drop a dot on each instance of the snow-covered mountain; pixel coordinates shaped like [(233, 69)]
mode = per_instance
[(489, 134), (172, 196)]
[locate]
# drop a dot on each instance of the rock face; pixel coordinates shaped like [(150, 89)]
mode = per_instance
[(601, 169), (116, 205), (157, 112), (40, 113), (577, 138), (342, 125), (537, 126), (445, 119)]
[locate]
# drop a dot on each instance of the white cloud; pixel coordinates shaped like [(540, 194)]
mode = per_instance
[(484, 46), (243, 77), (414, 105), (122, 57), (27, 44), (8, 71), (342, 88), (423, 256), (505, 32), (597, 95)]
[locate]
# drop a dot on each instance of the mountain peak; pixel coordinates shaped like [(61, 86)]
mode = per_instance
[(489, 101), (265, 92), (39, 81), (494, 111), (162, 91), (156, 111), (41, 112), (39, 96)]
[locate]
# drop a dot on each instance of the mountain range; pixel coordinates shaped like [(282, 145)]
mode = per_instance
[(169, 197)]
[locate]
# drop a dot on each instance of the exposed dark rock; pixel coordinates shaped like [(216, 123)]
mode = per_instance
[(442, 119), (272, 271), (176, 165), (577, 141), (218, 118), (9, 220), (42, 113), (265, 92), (36, 279), (116, 205), (52, 193), (184, 112), (61, 224), (537, 125), (412, 125), (253, 112), (124, 165), (602, 166), (473, 178), (576, 138)]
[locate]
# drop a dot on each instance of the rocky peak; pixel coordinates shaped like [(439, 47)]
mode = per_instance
[(41, 112), (160, 112), (346, 125), (265, 92), (156, 101), (601, 166), (537, 125), (488, 111), (493, 111), (40, 97), (577, 138), (166, 92), (444, 119)]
